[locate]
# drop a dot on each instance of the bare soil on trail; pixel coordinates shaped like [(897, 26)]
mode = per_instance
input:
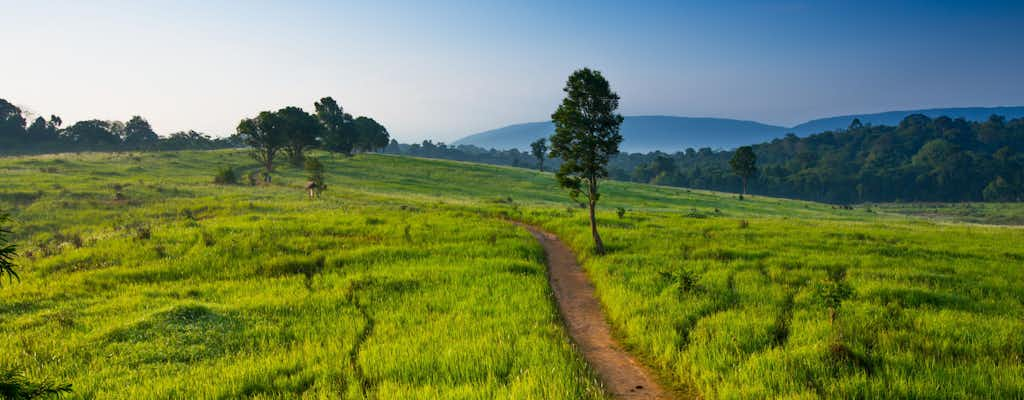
[(623, 376)]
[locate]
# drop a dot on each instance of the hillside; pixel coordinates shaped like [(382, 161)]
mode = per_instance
[(140, 278), (643, 134), (893, 118), (668, 134)]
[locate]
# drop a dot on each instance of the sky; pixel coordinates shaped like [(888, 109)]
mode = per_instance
[(443, 70)]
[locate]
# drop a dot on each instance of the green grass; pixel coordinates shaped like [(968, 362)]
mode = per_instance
[(979, 213), (404, 282), (185, 289)]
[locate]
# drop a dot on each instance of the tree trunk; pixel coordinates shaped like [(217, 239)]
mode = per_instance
[(592, 201), (744, 193)]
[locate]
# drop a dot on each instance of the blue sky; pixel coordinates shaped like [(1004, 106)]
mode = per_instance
[(442, 70)]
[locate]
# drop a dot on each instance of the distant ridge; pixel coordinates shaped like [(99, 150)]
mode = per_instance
[(643, 134), (893, 118), (670, 134)]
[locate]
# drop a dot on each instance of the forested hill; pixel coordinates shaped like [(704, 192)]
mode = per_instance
[(919, 159), (892, 118)]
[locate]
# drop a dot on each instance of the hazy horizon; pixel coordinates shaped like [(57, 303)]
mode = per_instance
[(445, 70)]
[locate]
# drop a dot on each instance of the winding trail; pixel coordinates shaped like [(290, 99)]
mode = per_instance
[(623, 376)]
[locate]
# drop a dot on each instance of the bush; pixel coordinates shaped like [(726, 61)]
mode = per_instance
[(226, 176), (7, 250), (621, 212), (14, 385)]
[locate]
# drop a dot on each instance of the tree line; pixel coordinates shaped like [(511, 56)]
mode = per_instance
[(921, 159), (48, 135)]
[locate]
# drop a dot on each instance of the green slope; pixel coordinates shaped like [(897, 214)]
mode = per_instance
[(718, 302)]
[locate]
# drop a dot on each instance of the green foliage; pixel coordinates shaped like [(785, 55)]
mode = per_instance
[(620, 212), (15, 386), (744, 165), (8, 250), (263, 137), (539, 149), (300, 130), (956, 161), (315, 171), (338, 133), (226, 176), (586, 136), (139, 134), (832, 291)]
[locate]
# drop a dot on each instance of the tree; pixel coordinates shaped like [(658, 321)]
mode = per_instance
[(338, 133), (138, 134), (370, 135), (12, 124), (300, 130), (539, 149), (264, 136), (744, 164), (586, 137), (93, 134), (999, 190), (43, 132)]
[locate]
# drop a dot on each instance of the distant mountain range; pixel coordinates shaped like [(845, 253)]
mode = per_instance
[(669, 134)]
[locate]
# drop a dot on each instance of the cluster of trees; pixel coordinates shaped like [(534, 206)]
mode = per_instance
[(18, 135), (291, 132), (921, 159)]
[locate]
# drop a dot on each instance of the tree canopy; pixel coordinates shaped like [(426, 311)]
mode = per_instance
[(539, 149), (744, 165), (586, 137)]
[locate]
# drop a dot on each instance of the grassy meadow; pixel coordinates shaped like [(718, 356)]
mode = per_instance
[(405, 282)]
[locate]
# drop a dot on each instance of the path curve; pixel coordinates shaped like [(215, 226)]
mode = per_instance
[(623, 376)]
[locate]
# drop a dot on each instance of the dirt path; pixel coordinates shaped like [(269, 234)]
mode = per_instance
[(622, 375)]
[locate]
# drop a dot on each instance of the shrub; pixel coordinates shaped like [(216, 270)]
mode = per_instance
[(7, 250), (226, 176), (685, 279), (621, 212), (14, 385)]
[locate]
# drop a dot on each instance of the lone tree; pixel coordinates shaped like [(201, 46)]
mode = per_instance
[(264, 136), (744, 164), (539, 149), (586, 136)]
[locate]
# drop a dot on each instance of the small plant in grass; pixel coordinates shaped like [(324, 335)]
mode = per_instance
[(621, 212), (744, 224), (315, 185), (226, 176), (684, 278), (832, 291), (119, 192)]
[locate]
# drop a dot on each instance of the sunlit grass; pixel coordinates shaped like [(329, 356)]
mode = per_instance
[(405, 282)]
